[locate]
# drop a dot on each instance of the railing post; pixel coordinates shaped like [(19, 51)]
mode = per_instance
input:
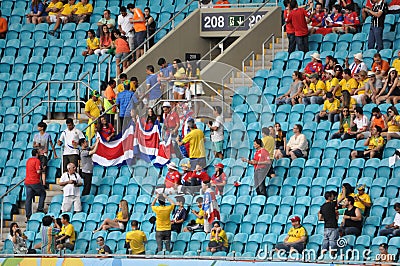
[(76, 103), (253, 64), (48, 104), (2, 218), (273, 47), (99, 67)]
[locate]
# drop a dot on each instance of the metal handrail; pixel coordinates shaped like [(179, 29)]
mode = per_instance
[(97, 118), (263, 48), (143, 45), (232, 32), (243, 62), (2, 205), (99, 67), (283, 39)]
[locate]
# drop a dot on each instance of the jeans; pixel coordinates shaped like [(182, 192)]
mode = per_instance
[(259, 180), (375, 37), (307, 100), (350, 230), (87, 184), (389, 231), (292, 43), (302, 43), (299, 246), (331, 117), (331, 235), (31, 191), (163, 236), (317, 100)]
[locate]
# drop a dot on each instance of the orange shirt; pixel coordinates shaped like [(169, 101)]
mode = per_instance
[(221, 2), (383, 66), (3, 25), (122, 46), (139, 26)]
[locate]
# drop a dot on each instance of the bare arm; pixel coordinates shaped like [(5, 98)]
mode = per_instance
[(95, 146)]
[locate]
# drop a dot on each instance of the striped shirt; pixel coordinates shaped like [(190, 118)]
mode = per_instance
[(379, 22)]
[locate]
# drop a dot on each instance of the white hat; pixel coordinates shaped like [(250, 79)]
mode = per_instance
[(166, 104), (358, 56), (391, 69), (371, 74), (316, 56), (172, 166), (330, 71)]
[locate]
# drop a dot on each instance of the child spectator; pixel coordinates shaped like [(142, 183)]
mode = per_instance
[(93, 44), (121, 51), (350, 21), (316, 18)]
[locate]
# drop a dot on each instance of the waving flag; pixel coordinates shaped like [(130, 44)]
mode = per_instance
[(210, 206), (164, 153), (146, 142)]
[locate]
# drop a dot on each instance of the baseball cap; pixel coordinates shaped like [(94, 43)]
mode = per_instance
[(295, 219), (166, 104), (361, 187), (95, 93), (371, 74), (219, 165)]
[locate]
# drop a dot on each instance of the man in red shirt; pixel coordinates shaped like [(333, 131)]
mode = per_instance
[(350, 22), (3, 27), (315, 66), (170, 120), (33, 184), (172, 181), (289, 28), (262, 164), (297, 18)]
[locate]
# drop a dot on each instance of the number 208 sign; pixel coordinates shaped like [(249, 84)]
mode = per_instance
[(227, 21)]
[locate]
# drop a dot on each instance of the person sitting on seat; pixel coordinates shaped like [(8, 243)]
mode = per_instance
[(393, 229), (362, 200), (197, 224), (375, 145), (120, 222), (218, 239), (172, 181), (296, 238), (352, 219)]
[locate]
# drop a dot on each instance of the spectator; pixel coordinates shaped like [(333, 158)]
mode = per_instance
[(218, 179), (347, 101), (153, 87), (179, 215), (172, 181), (351, 22), (346, 3), (267, 140), (125, 27), (106, 20), (289, 27), (330, 110), (222, 4), (210, 206), (293, 94), (187, 180), (352, 219), (197, 152), (262, 166), (37, 9), (139, 26), (360, 121), (119, 222), (393, 229), (200, 174), (52, 10), (296, 238), (396, 63), (82, 12), (64, 16), (384, 255), (121, 51), (151, 26), (332, 83), (380, 66), (378, 13), (297, 18), (134, 83), (348, 83), (280, 142), (347, 190), (393, 124), (330, 63), (93, 108), (377, 119), (103, 248), (197, 224), (297, 146), (345, 122), (136, 239), (358, 93), (125, 102), (314, 91), (71, 136), (316, 18), (109, 101), (66, 238), (334, 20), (151, 119), (18, 240), (362, 200), (48, 234), (105, 129), (206, 3), (357, 65), (163, 223), (329, 215), (364, 13), (391, 89), (93, 44), (86, 170), (217, 132), (170, 120), (124, 83), (218, 239), (178, 74), (105, 41), (71, 181), (315, 66), (372, 88), (195, 88), (166, 70), (33, 184)]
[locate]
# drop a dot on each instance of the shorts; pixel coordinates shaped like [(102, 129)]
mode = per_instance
[(218, 146), (180, 90), (298, 153), (121, 226), (53, 18), (358, 98), (64, 19), (360, 154), (139, 38), (43, 161), (121, 55), (396, 92), (76, 18), (68, 246)]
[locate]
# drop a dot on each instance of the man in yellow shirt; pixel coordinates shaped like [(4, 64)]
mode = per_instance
[(218, 239), (82, 12), (163, 221), (361, 78), (64, 16), (330, 110), (348, 83), (331, 82), (197, 151), (52, 11), (136, 239), (268, 141), (396, 63), (375, 145), (362, 199), (315, 91), (296, 238), (66, 237), (123, 78), (197, 224), (93, 108)]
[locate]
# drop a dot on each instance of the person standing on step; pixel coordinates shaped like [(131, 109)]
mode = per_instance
[(71, 181), (86, 169), (297, 18)]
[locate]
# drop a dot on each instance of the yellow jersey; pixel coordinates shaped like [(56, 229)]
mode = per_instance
[(68, 230), (82, 9), (295, 234), (163, 213), (136, 240), (348, 85), (57, 5), (393, 127), (331, 106)]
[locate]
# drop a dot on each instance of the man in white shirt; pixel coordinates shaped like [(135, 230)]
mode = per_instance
[(71, 181), (393, 229), (70, 137), (125, 26), (360, 121), (217, 132), (357, 65), (298, 145)]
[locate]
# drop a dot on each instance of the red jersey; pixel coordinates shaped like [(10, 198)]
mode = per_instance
[(261, 155), (32, 176), (297, 18), (171, 120), (317, 18), (172, 178), (203, 176), (313, 67), (369, 4), (186, 176), (106, 131), (351, 18), (289, 26)]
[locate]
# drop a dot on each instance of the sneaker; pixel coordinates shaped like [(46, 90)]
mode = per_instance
[(51, 32)]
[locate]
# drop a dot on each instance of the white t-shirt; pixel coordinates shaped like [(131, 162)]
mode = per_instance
[(71, 189), (67, 137), (397, 219), (299, 142), (125, 24), (360, 123), (218, 135)]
